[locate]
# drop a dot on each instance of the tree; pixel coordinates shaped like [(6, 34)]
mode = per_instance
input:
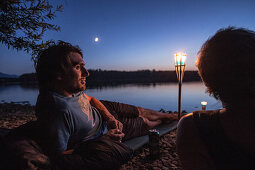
[(24, 22)]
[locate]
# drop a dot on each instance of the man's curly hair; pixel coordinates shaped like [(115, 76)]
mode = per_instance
[(225, 64), (52, 62)]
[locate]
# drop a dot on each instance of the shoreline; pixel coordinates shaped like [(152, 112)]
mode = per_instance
[(13, 115)]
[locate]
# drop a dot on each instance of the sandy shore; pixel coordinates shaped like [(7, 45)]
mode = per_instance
[(13, 115)]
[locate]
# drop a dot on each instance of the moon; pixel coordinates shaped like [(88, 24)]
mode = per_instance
[(96, 39)]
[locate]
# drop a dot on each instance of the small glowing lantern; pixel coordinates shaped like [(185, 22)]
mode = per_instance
[(203, 105), (180, 63)]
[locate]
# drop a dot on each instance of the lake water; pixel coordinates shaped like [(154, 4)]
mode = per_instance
[(153, 96)]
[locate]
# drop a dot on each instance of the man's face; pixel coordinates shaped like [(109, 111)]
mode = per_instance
[(75, 78)]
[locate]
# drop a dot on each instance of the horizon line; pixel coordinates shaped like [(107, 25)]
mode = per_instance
[(102, 70)]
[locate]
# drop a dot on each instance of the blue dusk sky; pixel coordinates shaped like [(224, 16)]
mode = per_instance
[(137, 34)]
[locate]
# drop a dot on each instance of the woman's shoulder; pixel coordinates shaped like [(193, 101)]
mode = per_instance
[(192, 151), (186, 127), (185, 121), (192, 126)]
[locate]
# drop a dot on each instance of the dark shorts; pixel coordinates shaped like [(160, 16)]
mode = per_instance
[(128, 115)]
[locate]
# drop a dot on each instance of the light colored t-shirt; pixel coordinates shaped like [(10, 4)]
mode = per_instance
[(74, 121)]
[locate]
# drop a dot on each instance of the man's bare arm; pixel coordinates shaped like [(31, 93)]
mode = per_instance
[(112, 123)]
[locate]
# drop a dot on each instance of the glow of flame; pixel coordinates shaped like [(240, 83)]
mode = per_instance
[(203, 103), (180, 58)]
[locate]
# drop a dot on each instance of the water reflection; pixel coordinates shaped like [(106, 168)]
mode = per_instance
[(18, 93), (155, 95), (159, 96)]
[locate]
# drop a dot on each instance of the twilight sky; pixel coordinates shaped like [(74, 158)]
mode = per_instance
[(137, 34)]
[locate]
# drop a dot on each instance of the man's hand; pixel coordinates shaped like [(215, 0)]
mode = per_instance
[(112, 123), (115, 134)]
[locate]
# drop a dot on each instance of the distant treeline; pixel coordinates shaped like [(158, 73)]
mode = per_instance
[(106, 77), (141, 76)]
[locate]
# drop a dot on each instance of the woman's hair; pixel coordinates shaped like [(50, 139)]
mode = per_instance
[(225, 64), (52, 62)]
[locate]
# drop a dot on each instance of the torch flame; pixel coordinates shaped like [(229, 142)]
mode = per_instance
[(203, 103), (180, 58)]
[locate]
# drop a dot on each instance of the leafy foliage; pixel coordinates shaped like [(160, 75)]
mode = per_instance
[(24, 22)]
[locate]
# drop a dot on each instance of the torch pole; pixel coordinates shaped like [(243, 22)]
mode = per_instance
[(179, 100), (180, 62)]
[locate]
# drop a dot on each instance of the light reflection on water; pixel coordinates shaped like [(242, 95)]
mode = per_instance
[(153, 96)]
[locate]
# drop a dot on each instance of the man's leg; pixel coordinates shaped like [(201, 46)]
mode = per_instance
[(151, 117), (154, 116), (133, 127), (137, 120), (151, 123), (126, 110), (128, 115), (121, 109)]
